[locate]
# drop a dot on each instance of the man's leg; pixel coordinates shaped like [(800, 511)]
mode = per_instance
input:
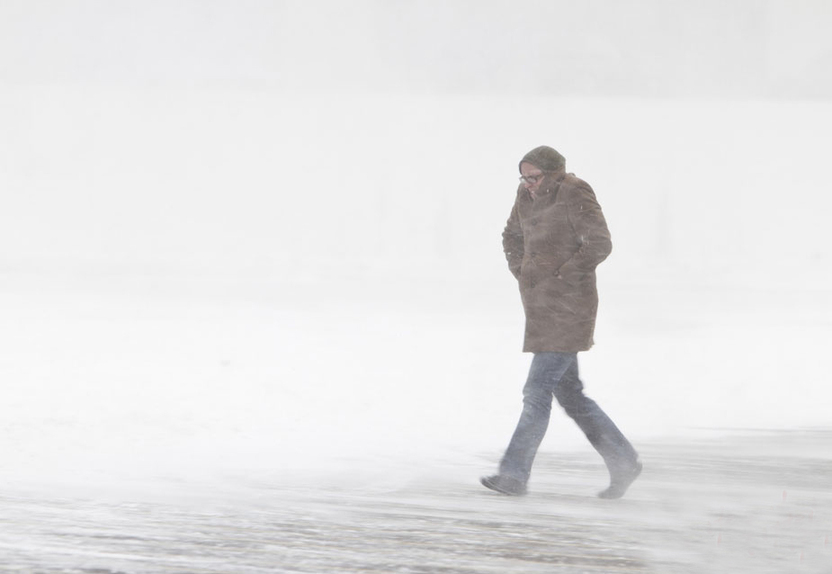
[(545, 372), (618, 454)]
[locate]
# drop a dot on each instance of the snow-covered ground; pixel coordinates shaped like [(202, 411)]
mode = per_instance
[(207, 290), (112, 379), (752, 502)]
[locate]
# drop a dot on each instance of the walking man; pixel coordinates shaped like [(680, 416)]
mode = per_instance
[(554, 238)]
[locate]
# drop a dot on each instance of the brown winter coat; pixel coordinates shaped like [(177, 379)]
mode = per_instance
[(553, 244)]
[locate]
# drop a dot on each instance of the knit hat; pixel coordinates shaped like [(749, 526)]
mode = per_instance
[(545, 158)]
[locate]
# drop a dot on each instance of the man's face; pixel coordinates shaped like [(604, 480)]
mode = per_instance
[(532, 177)]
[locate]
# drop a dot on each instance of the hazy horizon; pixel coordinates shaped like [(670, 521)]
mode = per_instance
[(259, 243)]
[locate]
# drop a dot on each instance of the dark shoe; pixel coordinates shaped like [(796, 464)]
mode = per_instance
[(504, 484), (621, 481)]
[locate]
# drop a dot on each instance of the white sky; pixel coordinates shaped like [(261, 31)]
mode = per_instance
[(639, 47), (192, 131)]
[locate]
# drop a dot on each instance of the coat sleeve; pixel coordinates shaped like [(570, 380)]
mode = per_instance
[(513, 242), (591, 232)]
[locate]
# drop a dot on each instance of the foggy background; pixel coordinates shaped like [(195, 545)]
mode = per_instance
[(271, 230)]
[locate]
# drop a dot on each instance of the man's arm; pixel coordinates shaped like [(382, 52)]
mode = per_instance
[(590, 227), (513, 242)]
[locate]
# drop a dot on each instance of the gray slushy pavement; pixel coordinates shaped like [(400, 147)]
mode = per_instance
[(738, 502)]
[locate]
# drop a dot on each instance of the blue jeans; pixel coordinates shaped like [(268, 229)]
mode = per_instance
[(556, 374)]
